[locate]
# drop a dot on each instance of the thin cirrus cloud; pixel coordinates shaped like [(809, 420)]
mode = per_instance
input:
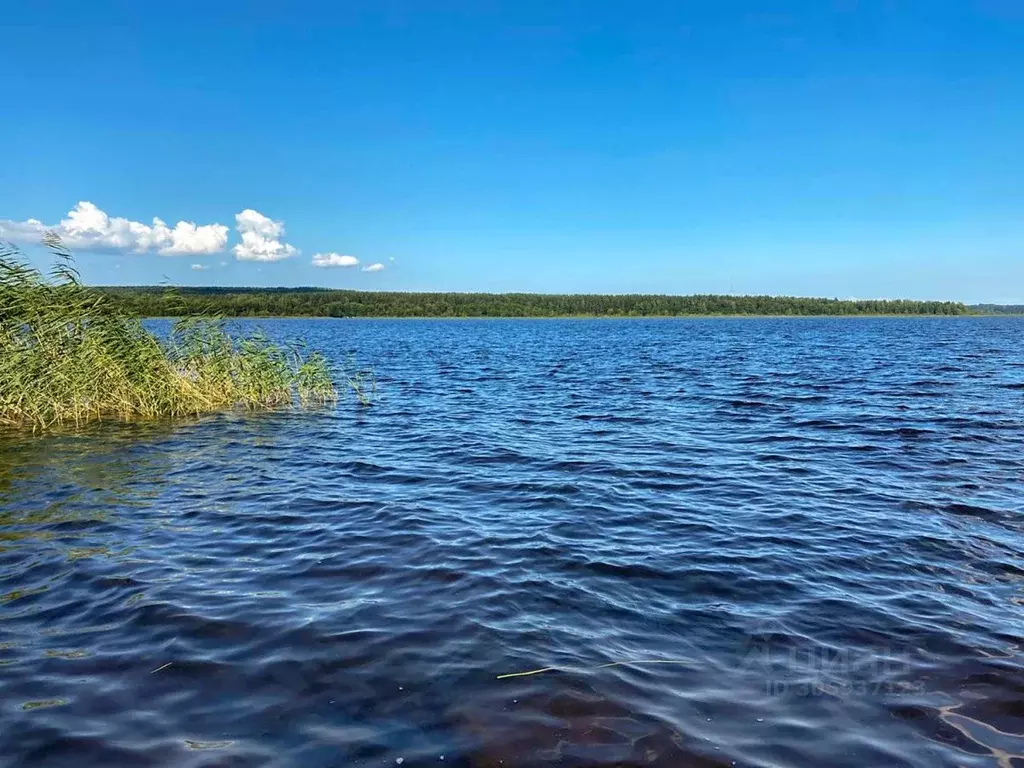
[(327, 260), (373, 267), (200, 267), (87, 228)]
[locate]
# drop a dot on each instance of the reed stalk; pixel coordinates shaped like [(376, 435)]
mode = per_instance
[(70, 356)]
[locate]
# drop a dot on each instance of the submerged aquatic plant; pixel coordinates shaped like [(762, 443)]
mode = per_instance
[(69, 355)]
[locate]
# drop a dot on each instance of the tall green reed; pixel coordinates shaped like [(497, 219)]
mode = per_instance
[(69, 356)]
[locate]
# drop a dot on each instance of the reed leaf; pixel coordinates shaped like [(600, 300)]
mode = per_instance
[(70, 356)]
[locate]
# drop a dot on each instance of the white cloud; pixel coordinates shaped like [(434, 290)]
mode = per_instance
[(29, 231), (199, 267), (261, 238), (188, 238), (88, 228), (334, 260), (373, 267)]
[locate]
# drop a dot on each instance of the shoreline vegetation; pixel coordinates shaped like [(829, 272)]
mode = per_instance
[(151, 301), (71, 355)]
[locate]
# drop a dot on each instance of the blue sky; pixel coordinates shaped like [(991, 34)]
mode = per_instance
[(864, 148)]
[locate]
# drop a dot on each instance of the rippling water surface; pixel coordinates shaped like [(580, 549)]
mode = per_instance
[(815, 525)]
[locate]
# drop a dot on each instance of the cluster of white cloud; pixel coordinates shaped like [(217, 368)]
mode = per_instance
[(87, 228), (342, 260), (261, 238)]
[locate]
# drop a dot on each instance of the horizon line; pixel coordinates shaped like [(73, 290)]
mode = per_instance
[(307, 288)]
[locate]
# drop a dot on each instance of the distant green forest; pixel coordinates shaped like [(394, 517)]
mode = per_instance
[(153, 301), (998, 309)]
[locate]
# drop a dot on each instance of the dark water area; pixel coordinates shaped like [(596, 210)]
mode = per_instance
[(756, 542)]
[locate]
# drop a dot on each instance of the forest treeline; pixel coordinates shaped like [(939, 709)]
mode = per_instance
[(152, 301), (998, 309)]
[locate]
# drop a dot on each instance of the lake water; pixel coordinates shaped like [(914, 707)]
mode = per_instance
[(816, 526)]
